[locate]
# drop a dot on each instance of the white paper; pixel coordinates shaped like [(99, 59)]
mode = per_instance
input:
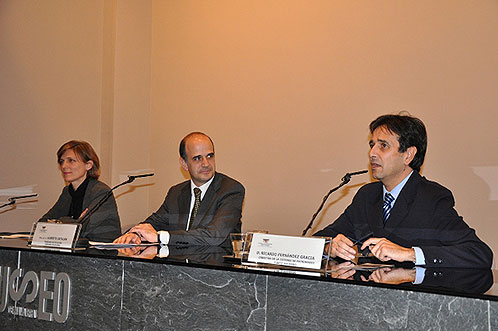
[(302, 252)]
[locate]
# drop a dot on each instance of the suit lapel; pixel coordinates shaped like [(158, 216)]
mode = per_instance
[(398, 213), (184, 206), (403, 203), (87, 199), (375, 210), (206, 200)]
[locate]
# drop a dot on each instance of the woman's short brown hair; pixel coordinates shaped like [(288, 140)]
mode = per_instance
[(85, 152)]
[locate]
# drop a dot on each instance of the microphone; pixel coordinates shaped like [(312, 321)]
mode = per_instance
[(24, 196), (14, 199), (83, 242), (132, 178), (345, 180), (347, 176), (91, 211)]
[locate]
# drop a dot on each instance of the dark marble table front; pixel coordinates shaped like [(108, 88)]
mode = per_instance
[(198, 289)]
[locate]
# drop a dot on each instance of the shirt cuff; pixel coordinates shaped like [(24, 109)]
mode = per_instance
[(419, 275), (419, 256), (163, 237), (163, 252)]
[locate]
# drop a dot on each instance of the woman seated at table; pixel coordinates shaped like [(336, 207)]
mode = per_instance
[(80, 167)]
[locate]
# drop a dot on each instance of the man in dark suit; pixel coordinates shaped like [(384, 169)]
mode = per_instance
[(187, 219), (409, 217)]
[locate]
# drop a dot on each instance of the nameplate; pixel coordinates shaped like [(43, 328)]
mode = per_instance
[(55, 234), (301, 252)]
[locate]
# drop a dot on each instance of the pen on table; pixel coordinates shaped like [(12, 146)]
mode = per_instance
[(362, 239), (324, 256), (137, 234), (355, 242)]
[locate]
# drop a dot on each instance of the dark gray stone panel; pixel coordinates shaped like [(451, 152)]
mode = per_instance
[(493, 313), (439, 312), (298, 304), (8, 258), (115, 294), (95, 299), (170, 297)]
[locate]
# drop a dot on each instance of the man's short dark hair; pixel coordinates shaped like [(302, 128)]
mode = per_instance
[(183, 153), (410, 131)]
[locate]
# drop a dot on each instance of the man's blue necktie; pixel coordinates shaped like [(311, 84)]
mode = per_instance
[(388, 199)]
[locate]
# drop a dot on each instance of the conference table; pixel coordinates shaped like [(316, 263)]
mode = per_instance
[(206, 288)]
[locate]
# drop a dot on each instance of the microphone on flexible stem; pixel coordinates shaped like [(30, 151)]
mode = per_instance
[(132, 178), (91, 211), (14, 199), (345, 180), (347, 177)]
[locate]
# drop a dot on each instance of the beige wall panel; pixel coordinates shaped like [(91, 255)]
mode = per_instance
[(131, 108), (50, 92), (287, 89)]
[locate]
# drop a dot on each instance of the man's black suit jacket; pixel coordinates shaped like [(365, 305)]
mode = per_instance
[(423, 216), (219, 213)]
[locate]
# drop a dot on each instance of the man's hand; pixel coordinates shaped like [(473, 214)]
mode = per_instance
[(393, 276), (137, 234), (386, 250), (341, 270), (128, 238), (130, 251), (148, 252), (146, 232), (342, 247)]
